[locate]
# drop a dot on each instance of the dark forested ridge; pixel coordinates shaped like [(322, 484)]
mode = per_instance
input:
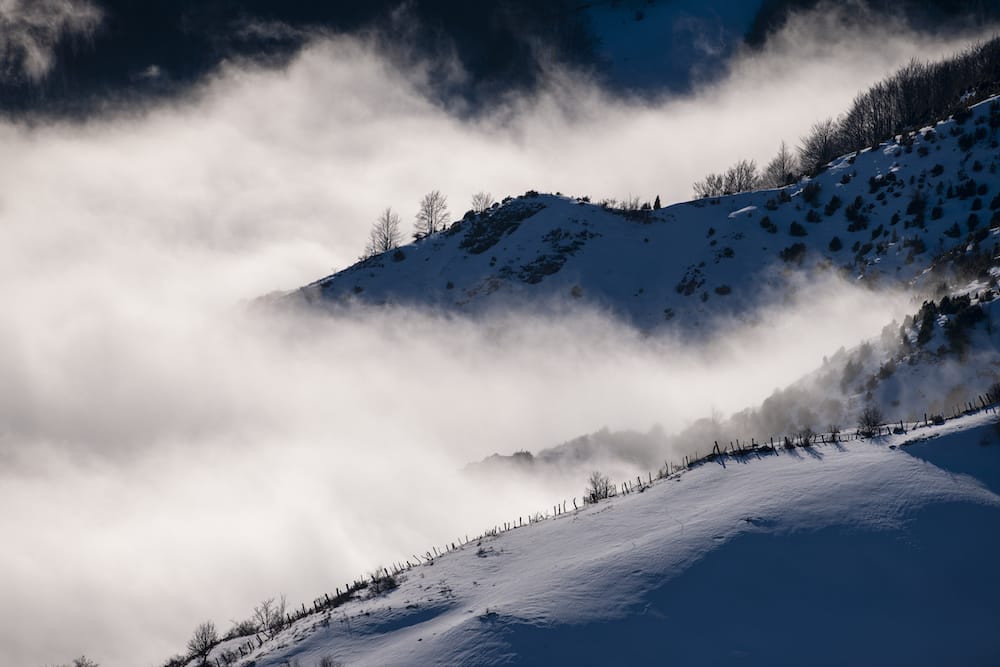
[(914, 95)]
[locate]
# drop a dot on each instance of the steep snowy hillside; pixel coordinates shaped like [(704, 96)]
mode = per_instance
[(938, 363), (943, 360), (867, 552), (912, 212)]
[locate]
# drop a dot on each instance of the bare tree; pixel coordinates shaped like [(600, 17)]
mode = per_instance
[(630, 203), (598, 487), (741, 177), (433, 214), (872, 117), (713, 185), (819, 146), (781, 170), (911, 101), (870, 420), (482, 201), (384, 235), (270, 615), (205, 637)]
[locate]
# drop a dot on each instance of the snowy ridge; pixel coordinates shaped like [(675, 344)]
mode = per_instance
[(881, 216), (892, 524)]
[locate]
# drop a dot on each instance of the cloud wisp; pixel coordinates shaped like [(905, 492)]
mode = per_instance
[(30, 30)]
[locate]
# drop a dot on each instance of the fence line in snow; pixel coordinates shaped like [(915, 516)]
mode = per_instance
[(385, 579)]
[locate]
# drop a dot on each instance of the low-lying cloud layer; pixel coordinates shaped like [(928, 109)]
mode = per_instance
[(169, 457), (177, 454)]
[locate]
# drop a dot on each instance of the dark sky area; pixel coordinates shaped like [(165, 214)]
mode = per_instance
[(145, 50), (184, 39)]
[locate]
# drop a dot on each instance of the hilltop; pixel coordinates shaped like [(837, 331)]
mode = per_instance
[(913, 212)]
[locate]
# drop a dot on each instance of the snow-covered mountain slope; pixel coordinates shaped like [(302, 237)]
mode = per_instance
[(938, 363), (864, 552), (881, 216)]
